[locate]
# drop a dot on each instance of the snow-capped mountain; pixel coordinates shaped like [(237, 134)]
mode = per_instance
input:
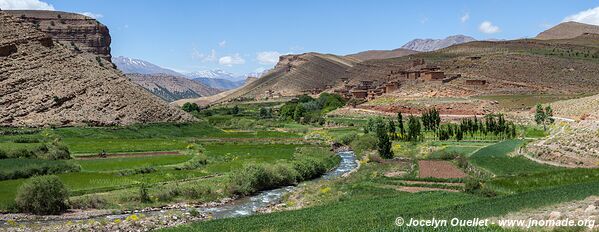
[(131, 65), (426, 45), (214, 74)]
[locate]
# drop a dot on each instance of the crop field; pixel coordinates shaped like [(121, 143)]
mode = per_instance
[(121, 163), (367, 206), (99, 175), (495, 159)]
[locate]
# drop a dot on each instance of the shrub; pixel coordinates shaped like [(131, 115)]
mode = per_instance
[(24, 168), (57, 151), (257, 177), (144, 197), (42, 195), (88, 202), (347, 138)]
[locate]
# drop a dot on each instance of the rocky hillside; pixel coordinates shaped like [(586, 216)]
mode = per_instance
[(46, 83), (130, 65), (508, 67), (427, 45), (295, 74), (78, 32), (568, 30), (172, 88), (382, 54)]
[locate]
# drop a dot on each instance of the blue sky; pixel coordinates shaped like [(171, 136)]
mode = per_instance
[(244, 36)]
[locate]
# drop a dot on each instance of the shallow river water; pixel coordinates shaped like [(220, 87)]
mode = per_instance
[(240, 207)]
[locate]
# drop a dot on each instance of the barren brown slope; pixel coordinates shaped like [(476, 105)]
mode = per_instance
[(295, 74), (520, 66), (172, 88), (568, 30), (45, 83), (382, 54)]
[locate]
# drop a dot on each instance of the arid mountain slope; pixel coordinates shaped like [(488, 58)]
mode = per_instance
[(46, 83), (382, 54), (172, 88), (78, 32), (567, 30), (519, 66), (296, 74)]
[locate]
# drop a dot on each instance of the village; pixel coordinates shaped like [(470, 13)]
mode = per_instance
[(370, 89)]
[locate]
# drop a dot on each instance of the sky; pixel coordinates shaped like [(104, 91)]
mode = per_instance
[(248, 36)]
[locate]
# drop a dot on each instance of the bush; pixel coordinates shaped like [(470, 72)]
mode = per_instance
[(257, 177), (144, 197), (42, 195), (346, 139), (24, 168), (89, 202)]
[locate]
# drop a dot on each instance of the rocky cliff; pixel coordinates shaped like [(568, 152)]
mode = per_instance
[(78, 32), (45, 83)]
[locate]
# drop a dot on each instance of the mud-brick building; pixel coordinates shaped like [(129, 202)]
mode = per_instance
[(359, 93), (391, 86), (433, 76)]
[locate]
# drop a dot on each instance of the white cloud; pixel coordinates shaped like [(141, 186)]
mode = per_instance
[(590, 16), (92, 15), (231, 60), (424, 20), (465, 17), (488, 28), (24, 5), (222, 44), (197, 55), (268, 57)]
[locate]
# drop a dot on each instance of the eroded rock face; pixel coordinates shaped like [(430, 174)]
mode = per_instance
[(46, 83), (75, 31)]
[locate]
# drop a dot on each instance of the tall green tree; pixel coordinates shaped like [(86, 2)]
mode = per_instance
[(402, 130), (414, 129), (540, 115), (384, 143), (391, 129), (549, 114)]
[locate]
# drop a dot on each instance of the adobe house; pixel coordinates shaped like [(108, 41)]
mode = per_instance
[(358, 93), (476, 82), (413, 75), (433, 76), (391, 86)]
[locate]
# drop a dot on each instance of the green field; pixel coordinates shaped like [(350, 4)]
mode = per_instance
[(113, 164), (366, 206), (102, 175), (495, 159)]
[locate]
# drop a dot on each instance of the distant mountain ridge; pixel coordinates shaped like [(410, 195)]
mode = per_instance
[(172, 88), (130, 65), (382, 54), (427, 45), (567, 30)]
